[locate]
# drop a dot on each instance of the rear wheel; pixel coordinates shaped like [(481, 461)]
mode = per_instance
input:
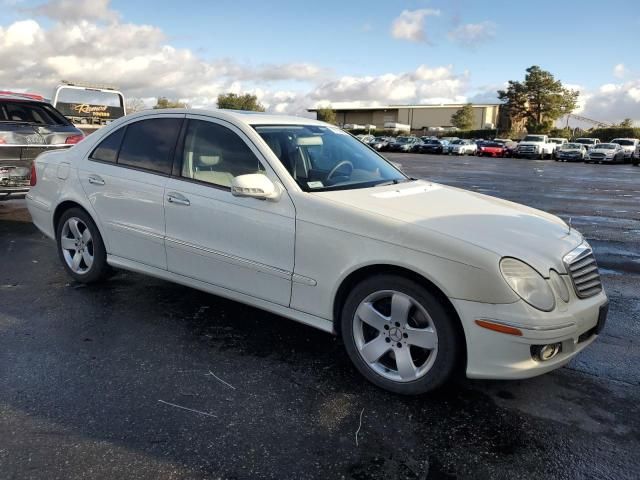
[(399, 335), (80, 246)]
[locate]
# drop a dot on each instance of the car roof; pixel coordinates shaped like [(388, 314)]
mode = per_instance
[(239, 116)]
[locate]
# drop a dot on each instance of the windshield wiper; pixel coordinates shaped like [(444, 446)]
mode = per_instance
[(395, 181)]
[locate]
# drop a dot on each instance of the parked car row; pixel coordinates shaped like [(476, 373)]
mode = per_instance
[(592, 150)]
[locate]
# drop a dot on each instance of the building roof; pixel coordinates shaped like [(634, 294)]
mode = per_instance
[(396, 107)]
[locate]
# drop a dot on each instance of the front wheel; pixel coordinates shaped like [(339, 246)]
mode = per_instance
[(80, 247), (399, 335)]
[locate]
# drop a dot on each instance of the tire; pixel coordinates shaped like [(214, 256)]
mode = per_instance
[(425, 320), (87, 246)]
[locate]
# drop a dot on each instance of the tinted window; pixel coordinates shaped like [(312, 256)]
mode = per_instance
[(149, 144), (38, 113), (214, 154), (107, 150)]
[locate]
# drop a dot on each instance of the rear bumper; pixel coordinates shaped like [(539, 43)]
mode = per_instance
[(40, 215), (10, 190), (494, 355)]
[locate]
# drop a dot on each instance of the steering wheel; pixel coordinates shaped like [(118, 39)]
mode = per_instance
[(337, 167)]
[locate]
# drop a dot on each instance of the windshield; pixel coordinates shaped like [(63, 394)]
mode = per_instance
[(586, 141), (533, 138), (403, 139), (571, 146), (323, 158), (556, 140), (607, 146), (628, 143), (89, 103)]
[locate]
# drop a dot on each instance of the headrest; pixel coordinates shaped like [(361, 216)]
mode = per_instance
[(208, 160)]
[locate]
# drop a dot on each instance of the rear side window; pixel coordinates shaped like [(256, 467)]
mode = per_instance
[(107, 150), (149, 144)]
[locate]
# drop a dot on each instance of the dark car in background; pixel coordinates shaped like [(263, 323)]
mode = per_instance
[(28, 126), (404, 144), (571, 152), (381, 143), (434, 146)]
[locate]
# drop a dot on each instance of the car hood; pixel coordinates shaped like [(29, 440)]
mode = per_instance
[(502, 227)]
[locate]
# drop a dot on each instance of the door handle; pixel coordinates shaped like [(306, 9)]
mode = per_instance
[(95, 180), (178, 199)]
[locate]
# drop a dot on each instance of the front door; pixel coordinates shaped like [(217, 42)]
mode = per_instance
[(241, 244)]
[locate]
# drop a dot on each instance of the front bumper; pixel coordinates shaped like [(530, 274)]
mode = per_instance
[(494, 355)]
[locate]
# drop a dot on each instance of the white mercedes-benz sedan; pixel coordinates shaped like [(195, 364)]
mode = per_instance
[(296, 217)]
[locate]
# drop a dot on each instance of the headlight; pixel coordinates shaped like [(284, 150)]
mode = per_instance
[(528, 284)]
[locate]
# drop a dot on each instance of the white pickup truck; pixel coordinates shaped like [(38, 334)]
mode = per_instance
[(536, 146)]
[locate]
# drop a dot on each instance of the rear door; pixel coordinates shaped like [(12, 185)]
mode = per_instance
[(124, 178)]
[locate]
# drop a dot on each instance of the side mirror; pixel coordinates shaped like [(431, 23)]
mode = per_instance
[(255, 185)]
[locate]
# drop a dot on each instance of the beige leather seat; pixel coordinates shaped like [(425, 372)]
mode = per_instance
[(206, 169)]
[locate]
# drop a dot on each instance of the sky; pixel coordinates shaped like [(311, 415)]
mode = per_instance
[(296, 55)]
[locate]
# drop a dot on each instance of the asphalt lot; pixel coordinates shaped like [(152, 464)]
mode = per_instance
[(92, 378)]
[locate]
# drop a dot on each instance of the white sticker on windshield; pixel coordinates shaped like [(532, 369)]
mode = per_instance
[(315, 184)]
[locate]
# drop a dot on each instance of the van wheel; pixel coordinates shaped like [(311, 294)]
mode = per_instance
[(399, 335), (80, 247)]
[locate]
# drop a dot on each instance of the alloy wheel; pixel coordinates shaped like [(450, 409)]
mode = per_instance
[(77, 245), (395, 336)]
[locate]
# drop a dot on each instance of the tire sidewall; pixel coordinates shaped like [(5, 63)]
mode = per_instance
[(99, 268), (449, 341)]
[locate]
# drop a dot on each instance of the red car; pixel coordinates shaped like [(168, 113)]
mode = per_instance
[(492, 149)]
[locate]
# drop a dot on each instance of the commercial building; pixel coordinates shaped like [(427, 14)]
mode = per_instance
[(420, 118)]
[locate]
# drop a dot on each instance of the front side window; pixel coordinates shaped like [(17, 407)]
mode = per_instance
[(149, 144), (325, 158), (107, 149), (214, 154)]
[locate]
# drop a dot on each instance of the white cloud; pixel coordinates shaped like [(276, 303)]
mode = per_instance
[(139, 60), (471, 34), (619, 70), (612, 102), (410, 25), (67, 11)]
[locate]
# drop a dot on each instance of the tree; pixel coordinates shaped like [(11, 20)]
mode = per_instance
[(231, 101), (539, 100), (164, 102), (626, 123), (135, 105), (463, 118), (326, 114)]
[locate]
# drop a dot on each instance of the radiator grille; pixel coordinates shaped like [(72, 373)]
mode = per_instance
[(583, 270)]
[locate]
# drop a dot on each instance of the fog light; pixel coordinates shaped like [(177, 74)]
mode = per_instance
[(546, 352)]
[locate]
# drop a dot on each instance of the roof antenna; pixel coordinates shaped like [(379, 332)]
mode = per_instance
[(570, 219)]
